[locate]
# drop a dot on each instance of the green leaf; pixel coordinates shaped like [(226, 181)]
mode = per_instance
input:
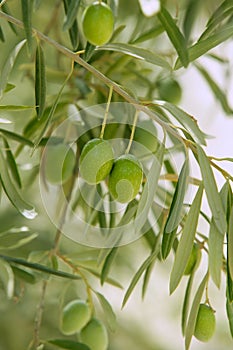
[(27, 210), (219, 94), (68, 344), (13, 136), (15, 107), (149, 189), (193, 313), (139, 273), (211, 189), (175, 213), (13, 239), (174, 35), (229, 309), (12, 164), (6, 9), (9, 65), (2, 38), (150, 34), (27, 21), (40, 81), (73, 31), (203, 46), (7, 277), (107, 264), (109, 313), (184, 119), (9, 87), (39, 267), (230, 244), (185, 307), (23, 274), (191, 12), (215, 243), (71, 14), (136, 52), (185, 245)]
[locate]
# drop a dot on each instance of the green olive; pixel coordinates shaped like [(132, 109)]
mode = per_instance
[(98, 23), (96, 161), (194, 260), (59, 163), (95, 335), (125, 178), (205, 323), (169, 90), (145, 134), (75, 316)]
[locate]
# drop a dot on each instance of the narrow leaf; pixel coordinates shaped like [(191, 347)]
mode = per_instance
[(211, 189), (137, 52), (219, 94), (2, 38), (229, 309), (203, 46), (185, 307), (184, 249), (107, 264), (138, 274), (27, 20), (40, 81), (230, 244), (6, 9), (15, 107), (109, 313), (27, 210), (71, 14), (7, 277), (68, 344), (191, 12), (13, 136), (193, 313), (23, 274), (12, 164), (150, 34), (174, 35), (73, 31), (175, 213), (9, 65)]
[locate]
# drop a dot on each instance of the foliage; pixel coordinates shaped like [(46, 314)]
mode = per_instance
[(57, 88)]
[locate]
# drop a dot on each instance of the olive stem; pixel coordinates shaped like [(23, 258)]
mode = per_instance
[(106, 112), (132, 132)]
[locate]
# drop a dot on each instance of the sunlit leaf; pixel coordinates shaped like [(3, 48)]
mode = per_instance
[(211, 189), (175, 213), (68, 344), (193, 313), (27, 20), (185, 246), (9, 65), (174, 35), (40, 81), (136, 52), (109, 313), (27, 210), (7, 277), (71, 14)]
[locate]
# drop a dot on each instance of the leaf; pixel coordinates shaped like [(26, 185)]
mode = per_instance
[(6, 10), (219, 94), (186, 303), (40, 81), (136, 52), (71, 14), (9, 87), (7, 277), (229, 309), (12, 240), (150, 34), (107, 264), (191, 12), (27, 210), (149, 189), (73, 31), (2, 38), (175, 212), (9, 65), (230, 244), (39, 267), (27, 21), (185, 245), (68, 344), (12, 164), (139, 273), (184, 119), (211, 189), (23, 274), (109, 313), (174, 35), (13, 136), (194, 311), (203, 46), (215, 243), (15, 107)]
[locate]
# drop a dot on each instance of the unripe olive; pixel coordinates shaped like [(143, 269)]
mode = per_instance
[(205, 323), (95, 335), (194, 259), (75, 316), (59, 163), (169, 90), (96, 161), (125, 178), (98, 23), (145, 134)]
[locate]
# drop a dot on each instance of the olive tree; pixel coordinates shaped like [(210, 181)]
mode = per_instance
[(97, 159)]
